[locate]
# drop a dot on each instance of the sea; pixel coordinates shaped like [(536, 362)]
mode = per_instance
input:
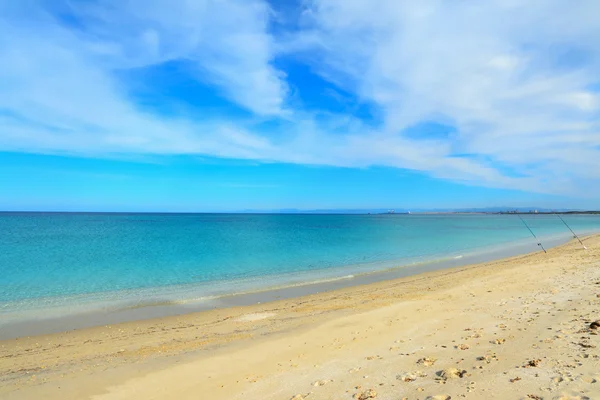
[(54, 265)]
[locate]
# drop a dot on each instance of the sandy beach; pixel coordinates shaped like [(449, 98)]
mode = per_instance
[(517, 328)]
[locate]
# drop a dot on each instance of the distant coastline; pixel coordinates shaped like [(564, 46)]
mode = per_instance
[(312, 212), (494, 212), (549, 212)]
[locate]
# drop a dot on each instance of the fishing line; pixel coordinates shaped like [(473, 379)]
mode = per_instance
[(574, 234), (536, 238)]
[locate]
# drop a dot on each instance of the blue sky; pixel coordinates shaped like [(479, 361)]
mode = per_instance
[(213, 105)]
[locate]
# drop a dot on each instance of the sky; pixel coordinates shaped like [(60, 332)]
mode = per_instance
[(230, 105)]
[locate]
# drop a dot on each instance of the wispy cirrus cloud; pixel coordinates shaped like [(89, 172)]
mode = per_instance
[(516, 81), (226, 42), (61, 93), (514, 78)]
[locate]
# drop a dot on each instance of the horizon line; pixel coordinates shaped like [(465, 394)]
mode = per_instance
[(499, 210)]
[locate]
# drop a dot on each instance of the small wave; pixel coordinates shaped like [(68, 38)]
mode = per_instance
[(262, 289), (157, 303)]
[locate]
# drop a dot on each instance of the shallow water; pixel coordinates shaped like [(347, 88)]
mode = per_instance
[(56, 264)]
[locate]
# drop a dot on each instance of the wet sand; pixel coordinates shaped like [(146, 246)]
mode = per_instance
[(515, 328)]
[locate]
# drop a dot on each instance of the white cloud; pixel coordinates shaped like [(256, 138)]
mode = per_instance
[(226, 40), (513, 76), (515, 79)]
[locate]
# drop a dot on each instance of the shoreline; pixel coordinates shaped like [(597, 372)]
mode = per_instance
[(160, 307), (527, 307)]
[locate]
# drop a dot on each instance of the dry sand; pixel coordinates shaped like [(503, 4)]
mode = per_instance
[(510, 329)]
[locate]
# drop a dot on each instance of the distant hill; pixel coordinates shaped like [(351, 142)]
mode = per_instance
[(422, 210)]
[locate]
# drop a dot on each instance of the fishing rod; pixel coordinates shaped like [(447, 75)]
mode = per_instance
[(574, 234), (539, 243)]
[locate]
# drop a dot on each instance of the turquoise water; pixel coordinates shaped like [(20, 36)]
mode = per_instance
[(65, 261)]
